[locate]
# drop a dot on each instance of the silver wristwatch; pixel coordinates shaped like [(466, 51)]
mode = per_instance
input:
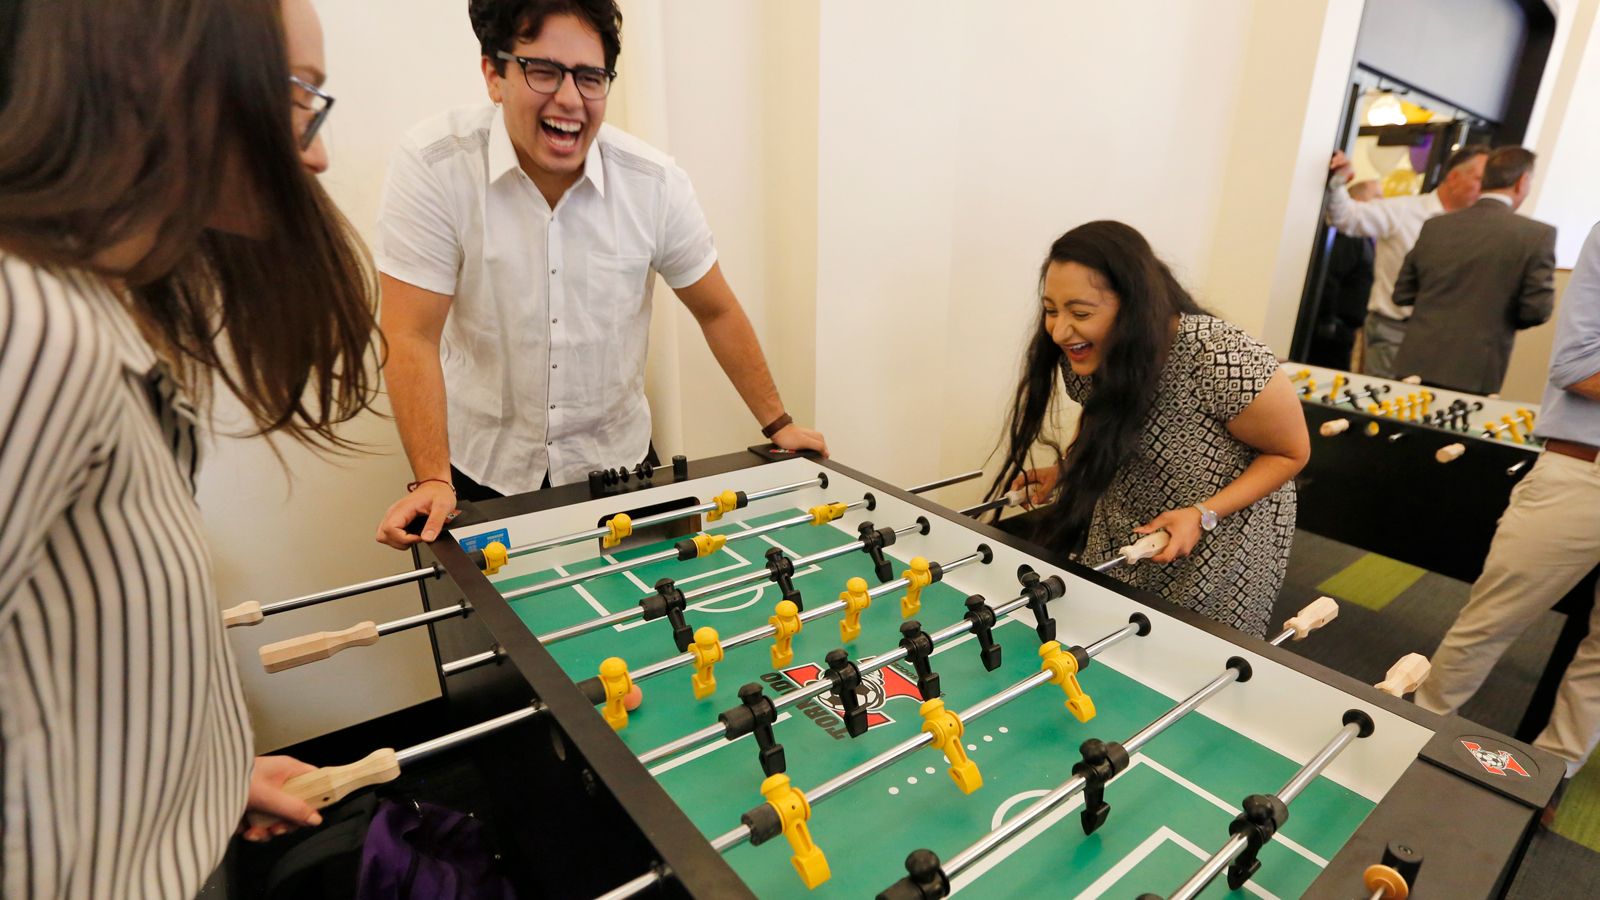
[(1208, 518)]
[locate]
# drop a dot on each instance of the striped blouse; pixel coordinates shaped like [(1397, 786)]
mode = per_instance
[(124, 746)]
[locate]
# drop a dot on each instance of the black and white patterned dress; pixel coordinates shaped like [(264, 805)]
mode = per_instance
[(1185, 456)]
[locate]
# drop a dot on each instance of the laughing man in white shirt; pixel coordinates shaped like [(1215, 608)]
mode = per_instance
[(518, 248)]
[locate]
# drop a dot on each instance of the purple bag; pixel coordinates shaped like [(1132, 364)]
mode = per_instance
[(422, 850)]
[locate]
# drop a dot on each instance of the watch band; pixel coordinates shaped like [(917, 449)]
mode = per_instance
[(777, 425)]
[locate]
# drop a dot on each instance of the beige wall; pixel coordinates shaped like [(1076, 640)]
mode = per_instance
[(278, 531)]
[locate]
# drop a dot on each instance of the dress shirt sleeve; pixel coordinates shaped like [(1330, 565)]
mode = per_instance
[(1537, 296), (1576, 354), (417, 240), (685, 250), (1365, 218), (57, 381)]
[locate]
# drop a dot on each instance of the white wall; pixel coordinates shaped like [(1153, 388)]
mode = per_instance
[(990, 130), (887, 135), (1567, 137), (1294, 78), (1106, 111), (278, 531)]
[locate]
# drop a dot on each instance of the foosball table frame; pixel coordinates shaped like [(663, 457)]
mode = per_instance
[(577, 814)]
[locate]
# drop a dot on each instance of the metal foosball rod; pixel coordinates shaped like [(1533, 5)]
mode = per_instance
[(298, 651), (1369, 394), (1056, 669), (492, 557), (329, 784), (1035, 594), (309, 648), (1004, 501), (927, 878), (251, 613), (869, 540), (945, 482), (621, 525), (791, 621), (787, 810), (700, 545), (1263, 815)]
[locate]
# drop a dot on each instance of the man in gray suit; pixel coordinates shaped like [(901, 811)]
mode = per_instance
[(1476, 277)]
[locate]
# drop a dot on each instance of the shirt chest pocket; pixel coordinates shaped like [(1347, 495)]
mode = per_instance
[(612, 315), (617, 283)]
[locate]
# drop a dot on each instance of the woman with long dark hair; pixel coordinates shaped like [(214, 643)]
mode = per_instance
[(158, 229), (1187, 426)]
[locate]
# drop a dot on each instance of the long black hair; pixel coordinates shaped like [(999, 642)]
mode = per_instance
[(1123, 387)]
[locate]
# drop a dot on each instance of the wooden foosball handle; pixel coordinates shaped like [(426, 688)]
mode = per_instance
[(1450, 452), (331, 784), (1406, 675), (1145, 547), (311, 647), (1316, 614), (243, 614), (1331, 428)]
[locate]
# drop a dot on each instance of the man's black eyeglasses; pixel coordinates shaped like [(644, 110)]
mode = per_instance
[(545, 76)]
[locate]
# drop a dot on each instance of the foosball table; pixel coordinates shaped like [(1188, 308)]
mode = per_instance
[(1422, 475), (784, 679)]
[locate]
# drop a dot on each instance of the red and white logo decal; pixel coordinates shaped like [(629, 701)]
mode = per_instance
[(876, 690), (1496, 762)]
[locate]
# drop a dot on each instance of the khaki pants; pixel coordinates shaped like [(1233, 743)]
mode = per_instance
[(1548, 539)]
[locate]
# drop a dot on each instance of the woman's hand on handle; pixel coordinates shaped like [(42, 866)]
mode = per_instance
[(1041, 483), (1184, 527), (270, 810)]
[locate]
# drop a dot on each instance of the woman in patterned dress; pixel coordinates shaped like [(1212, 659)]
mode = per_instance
[(1187, 426)]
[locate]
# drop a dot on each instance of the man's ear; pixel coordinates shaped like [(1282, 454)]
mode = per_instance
[(491, 79)]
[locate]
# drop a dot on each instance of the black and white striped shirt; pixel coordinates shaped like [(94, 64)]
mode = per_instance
[(124, 746)]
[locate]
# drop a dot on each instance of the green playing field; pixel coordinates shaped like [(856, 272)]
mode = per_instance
[(1170, 810)]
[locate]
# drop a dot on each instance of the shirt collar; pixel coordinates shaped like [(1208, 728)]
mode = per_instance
[(594, 167), (1498, 198), (503, 154)]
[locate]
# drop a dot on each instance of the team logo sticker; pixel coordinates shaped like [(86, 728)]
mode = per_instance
[(1495, 762), (876, 692)]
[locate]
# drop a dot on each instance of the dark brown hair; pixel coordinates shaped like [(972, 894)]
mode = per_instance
[(106, 145), (1505, 166), (500, 23), (1125, 384)]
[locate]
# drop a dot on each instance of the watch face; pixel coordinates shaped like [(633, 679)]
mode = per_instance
[(1208, 519)]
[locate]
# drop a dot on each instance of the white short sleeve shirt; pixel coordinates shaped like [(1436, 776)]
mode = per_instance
[(544, 347)]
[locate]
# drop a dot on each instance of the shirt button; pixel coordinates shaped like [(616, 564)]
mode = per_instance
[(549, 443), (553, 321), (552, 406), (554, 366), (552, 271)]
